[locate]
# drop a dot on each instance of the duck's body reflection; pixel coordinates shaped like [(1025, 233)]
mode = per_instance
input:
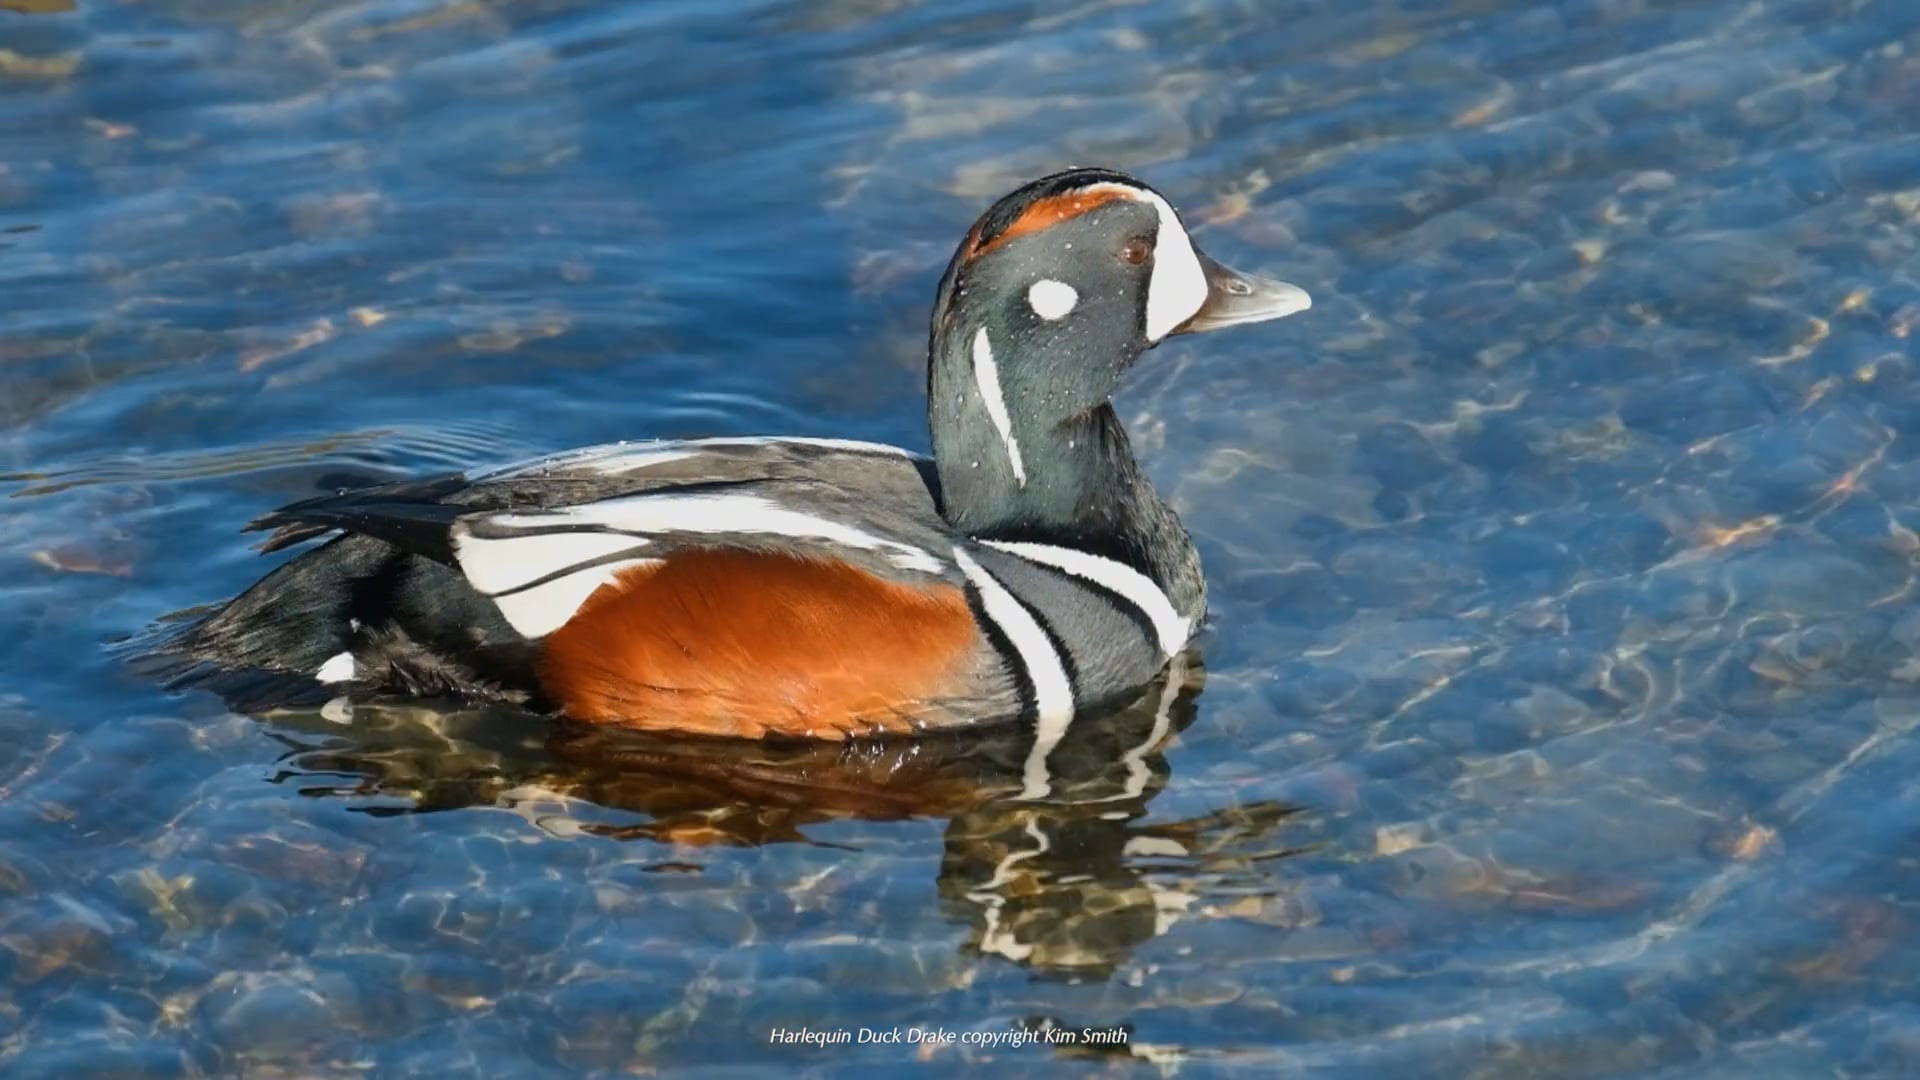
[(1048, 857)]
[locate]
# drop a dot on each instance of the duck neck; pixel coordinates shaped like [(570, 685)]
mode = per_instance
[(1071, 482)]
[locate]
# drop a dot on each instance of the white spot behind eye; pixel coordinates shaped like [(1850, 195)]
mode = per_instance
[(1052, 299)]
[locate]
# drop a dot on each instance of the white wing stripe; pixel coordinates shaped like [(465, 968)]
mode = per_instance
[(1052, 691), (539, 579), (715, 514), (498, 565), (851, 446), (614, 459), (609, 460), (617, 464), (1134, 587), (541, 610)]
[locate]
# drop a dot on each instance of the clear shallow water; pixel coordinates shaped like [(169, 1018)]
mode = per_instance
[(1558, 702)]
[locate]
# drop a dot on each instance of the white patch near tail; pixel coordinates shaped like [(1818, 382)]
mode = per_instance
[(338, 668)]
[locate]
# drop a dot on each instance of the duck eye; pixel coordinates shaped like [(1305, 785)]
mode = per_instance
[(1137, 250)]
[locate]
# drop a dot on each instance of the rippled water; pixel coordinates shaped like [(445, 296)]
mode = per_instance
[(1559, 699)]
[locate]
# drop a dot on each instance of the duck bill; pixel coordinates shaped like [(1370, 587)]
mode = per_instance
[(1235, 299)]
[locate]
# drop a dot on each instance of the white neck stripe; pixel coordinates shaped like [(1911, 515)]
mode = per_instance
[(1052, 690), (1171, 630), (987, 377)]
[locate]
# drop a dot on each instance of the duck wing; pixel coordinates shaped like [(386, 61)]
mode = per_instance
[(539, 538)]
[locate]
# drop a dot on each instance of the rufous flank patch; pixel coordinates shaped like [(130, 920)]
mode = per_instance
[(750, 644)]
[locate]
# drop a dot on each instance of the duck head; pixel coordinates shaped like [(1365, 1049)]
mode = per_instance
[(1054, 293)]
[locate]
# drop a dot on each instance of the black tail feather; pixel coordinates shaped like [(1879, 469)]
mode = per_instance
[(420, 528), (290, 622), (407, 515)]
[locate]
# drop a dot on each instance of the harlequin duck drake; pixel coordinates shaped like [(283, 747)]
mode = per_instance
[(802, 587)]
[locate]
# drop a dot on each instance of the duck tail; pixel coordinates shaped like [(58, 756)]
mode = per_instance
[(265, 646)]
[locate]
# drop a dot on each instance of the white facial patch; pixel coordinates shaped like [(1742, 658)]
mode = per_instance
[(1178, 287), (987, 377), (1052, 300)]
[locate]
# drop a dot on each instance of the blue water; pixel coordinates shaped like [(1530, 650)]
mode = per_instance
[(1556, 714)]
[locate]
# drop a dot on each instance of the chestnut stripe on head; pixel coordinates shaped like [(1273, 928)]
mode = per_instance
[(338, 668), (1045, 213), (1178, 286)]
